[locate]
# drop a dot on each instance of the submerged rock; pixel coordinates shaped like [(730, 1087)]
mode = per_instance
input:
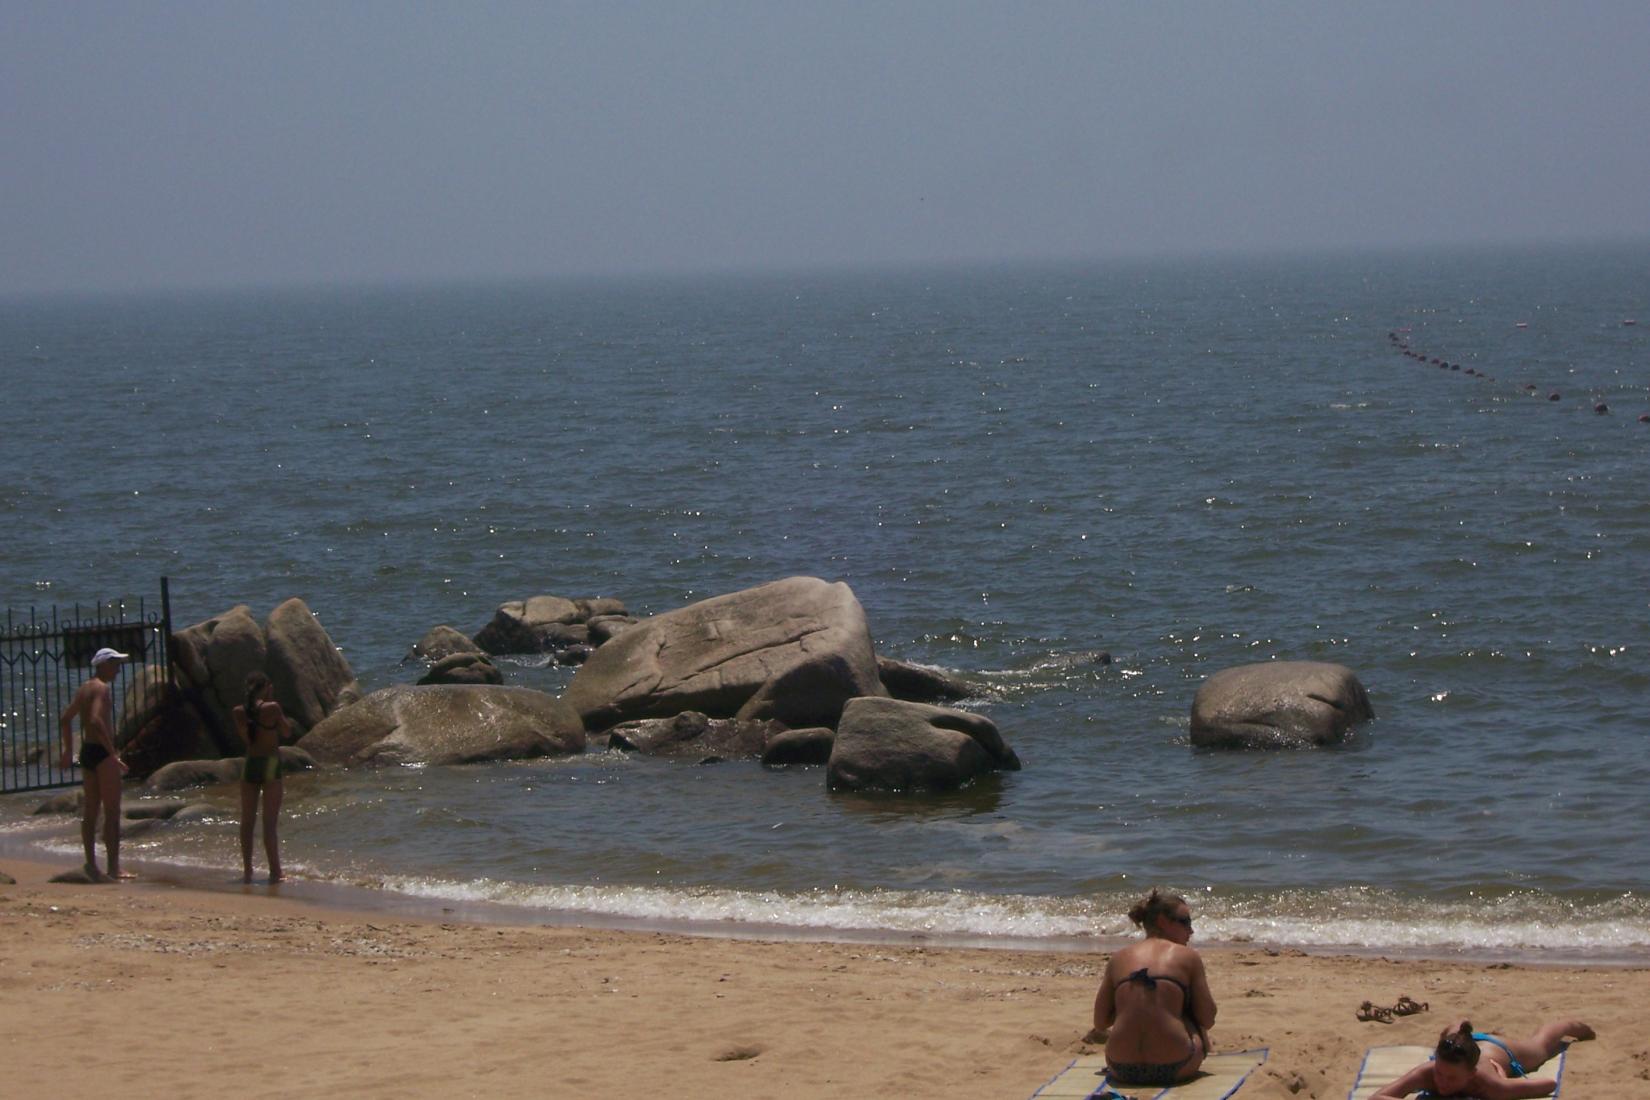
[(442, 641), (1278, 704), (183, 774), (920, 684), (694, 734), (66, 802), (544, 624), (463, 668)]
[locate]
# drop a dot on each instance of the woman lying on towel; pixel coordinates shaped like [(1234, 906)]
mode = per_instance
[(1488, 1067), (1154, 1007)]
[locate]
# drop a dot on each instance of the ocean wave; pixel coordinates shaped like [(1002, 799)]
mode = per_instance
[(1524, 925)]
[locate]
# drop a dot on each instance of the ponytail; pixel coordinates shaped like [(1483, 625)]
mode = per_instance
[(1144, 913), (256, 683)]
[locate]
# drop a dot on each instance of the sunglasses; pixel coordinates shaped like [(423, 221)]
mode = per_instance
[(1452, 1049)]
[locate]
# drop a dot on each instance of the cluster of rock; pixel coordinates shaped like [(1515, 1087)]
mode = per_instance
[(785, 673), (569, 630), (191, 717)]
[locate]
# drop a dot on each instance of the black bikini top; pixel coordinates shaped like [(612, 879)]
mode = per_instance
[(1149, 980)]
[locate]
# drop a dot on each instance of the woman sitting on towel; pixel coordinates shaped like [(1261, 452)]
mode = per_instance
[(1488, 1067), (1154, 1007)]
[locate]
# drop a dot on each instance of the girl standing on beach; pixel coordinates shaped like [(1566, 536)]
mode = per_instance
[(263, 725), (1154, 1006), (1488, 1067)]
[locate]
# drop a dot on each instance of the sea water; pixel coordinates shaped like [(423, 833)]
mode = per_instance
[(1190, 465)]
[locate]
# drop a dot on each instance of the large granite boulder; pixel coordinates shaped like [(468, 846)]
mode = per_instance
[(446, 724), (463, 668), (214, 658), (1278, 704), (793, 651), (309, 674), (695, 735), (890, 744)]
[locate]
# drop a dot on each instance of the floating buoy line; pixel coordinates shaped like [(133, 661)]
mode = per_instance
[(1399, 339)]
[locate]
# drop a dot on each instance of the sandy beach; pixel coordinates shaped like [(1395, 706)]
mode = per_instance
[(199, 993)]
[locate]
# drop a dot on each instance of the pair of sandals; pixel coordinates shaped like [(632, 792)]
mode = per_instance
[(1406, 1006)]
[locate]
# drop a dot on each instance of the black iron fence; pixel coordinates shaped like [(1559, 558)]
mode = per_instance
[(44, 658)]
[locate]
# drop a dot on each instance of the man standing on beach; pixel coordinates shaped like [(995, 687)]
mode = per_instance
[(100, 766)]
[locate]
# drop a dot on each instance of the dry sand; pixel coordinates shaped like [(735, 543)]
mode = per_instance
[(156, 991)]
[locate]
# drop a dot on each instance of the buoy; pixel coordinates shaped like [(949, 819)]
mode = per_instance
[(1529, 385), (1644, 418), (1469, 370), (1522, 324), (1629, 321), (1455, 366), (1601, 408), (1553, 396)]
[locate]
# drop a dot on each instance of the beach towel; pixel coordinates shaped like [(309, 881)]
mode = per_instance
[(1384, 1064), (1221, 1076)]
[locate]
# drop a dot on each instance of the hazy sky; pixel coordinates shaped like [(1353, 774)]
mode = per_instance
[(169, 144)]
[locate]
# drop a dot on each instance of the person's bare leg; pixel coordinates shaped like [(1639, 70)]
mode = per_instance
[(108, 781), (91, 802), (273, 793), (1546, 1041), (249, 821)]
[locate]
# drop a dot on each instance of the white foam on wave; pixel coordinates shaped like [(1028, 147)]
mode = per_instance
[(927, 912), (1527, 925)]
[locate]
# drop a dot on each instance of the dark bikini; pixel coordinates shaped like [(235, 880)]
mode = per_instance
[(261, 769), (1516, 1069), (1159, 1074)]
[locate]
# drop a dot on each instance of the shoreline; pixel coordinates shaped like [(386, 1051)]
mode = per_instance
[(358, 898), (377, 1003)]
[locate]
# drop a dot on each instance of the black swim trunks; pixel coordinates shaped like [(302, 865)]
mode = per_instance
[(91, 755)]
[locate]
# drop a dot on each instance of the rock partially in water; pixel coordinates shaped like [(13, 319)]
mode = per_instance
[(447, 724), (920, 684), (889, 744), (65, 802), (440, 642), (1278, 704), (543, 624), (804, 746), (463, 668), (793, 651), (183, 774), (162, 810), (692, 734)]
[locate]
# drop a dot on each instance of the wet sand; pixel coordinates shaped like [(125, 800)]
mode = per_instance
[(145, 990)]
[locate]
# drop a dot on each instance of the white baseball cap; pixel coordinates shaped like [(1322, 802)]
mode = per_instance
[(106, 654)]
